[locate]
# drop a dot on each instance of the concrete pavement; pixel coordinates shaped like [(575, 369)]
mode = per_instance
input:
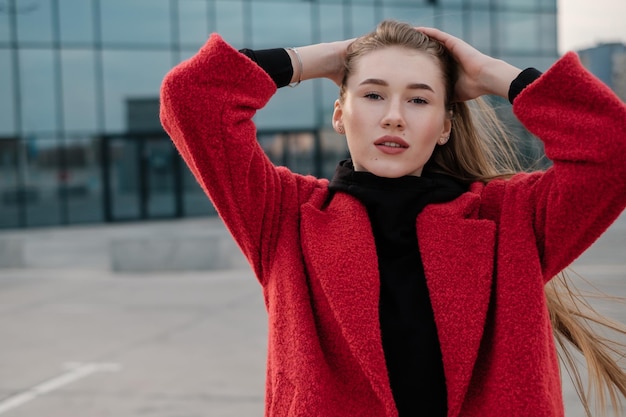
[(79, 339)]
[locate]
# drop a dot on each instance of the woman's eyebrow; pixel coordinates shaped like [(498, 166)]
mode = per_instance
[(412, 86)]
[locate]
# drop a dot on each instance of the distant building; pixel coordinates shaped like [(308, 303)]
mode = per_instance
[(607, 62), (80, 138)]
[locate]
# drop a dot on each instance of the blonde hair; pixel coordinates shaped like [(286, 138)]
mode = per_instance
[(480, 149)]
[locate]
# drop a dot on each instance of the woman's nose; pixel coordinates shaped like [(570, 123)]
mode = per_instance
[(393, 117)]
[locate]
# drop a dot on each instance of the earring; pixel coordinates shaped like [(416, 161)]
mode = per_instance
[(340, 130), (444, 140)]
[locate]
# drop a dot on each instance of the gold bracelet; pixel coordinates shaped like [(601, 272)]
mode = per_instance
[(295, 51)]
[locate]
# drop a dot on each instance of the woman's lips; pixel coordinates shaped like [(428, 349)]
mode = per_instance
[(391, 145)]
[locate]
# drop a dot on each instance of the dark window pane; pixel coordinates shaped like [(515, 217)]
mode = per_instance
[(81, 183), (9, 181), (123, 156), (195, 201), (43, 178), (158, 165)]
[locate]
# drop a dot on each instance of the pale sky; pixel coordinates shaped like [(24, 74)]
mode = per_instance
[(585, 23)]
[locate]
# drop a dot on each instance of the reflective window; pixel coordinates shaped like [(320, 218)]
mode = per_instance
[(79, 95), (5, 32), (128, 75), (229, 21), (43, 177), (295, 31), (9, 180), (451, 2), (453, 22), (364, 20), (124, 180), (419, 16), (542, 63), (7, 109), (34, 21), (76, 17), (293, 149), (37, 90), (548, 33), (290, 108), (195, 201), (135, 21), (480, 31), (193, 27), (547, 5), (80, 181), (483, 3), (331, 23), (517, 32), (334, 149), (516, 4)]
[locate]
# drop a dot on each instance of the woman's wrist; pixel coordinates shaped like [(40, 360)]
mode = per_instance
[(322, 60), (497, 76)]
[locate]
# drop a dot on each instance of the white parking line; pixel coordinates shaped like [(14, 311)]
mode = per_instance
[(76, 371)]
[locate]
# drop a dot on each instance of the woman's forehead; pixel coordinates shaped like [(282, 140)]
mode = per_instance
[(397, 63)]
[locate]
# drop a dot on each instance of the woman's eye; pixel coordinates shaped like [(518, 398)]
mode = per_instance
[(373, 96), (418, 100)]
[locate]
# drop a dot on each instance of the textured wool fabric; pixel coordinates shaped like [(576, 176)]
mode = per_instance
[(487, 254)]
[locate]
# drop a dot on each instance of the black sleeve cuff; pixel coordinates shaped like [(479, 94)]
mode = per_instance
[(276, 62), (523, 80)]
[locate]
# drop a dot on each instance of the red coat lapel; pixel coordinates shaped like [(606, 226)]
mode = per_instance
[(458, 254), (340, 253)]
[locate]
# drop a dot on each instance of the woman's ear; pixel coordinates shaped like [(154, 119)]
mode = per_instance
[(447, 129), (338, 118)]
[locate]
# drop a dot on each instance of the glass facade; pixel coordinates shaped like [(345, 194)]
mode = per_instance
[(80, 139)]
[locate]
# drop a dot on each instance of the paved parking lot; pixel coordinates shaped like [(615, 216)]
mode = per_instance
[(80, 340)]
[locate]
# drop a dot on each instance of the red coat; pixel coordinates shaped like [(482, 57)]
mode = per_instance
[(486, 254)]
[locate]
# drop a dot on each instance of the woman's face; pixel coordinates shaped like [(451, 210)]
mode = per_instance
[(393, 111)]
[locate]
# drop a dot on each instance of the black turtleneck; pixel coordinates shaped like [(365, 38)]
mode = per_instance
[(409, 334)]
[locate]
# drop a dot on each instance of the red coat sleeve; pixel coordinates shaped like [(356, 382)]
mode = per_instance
[(582, 124), (207, 106)]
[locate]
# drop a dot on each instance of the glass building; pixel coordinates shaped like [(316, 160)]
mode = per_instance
[(80, 139)]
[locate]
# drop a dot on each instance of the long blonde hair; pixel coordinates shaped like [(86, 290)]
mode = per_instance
[(480, 149)]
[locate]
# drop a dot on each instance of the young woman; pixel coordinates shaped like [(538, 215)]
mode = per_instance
[(412, 283)]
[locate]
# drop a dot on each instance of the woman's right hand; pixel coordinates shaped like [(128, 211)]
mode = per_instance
[(322, 60)]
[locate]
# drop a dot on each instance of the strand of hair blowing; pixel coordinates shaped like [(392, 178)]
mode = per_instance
[(575, 323), (480, 149)]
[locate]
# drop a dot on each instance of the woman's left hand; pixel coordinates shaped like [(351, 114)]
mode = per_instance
[(479, 74)]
